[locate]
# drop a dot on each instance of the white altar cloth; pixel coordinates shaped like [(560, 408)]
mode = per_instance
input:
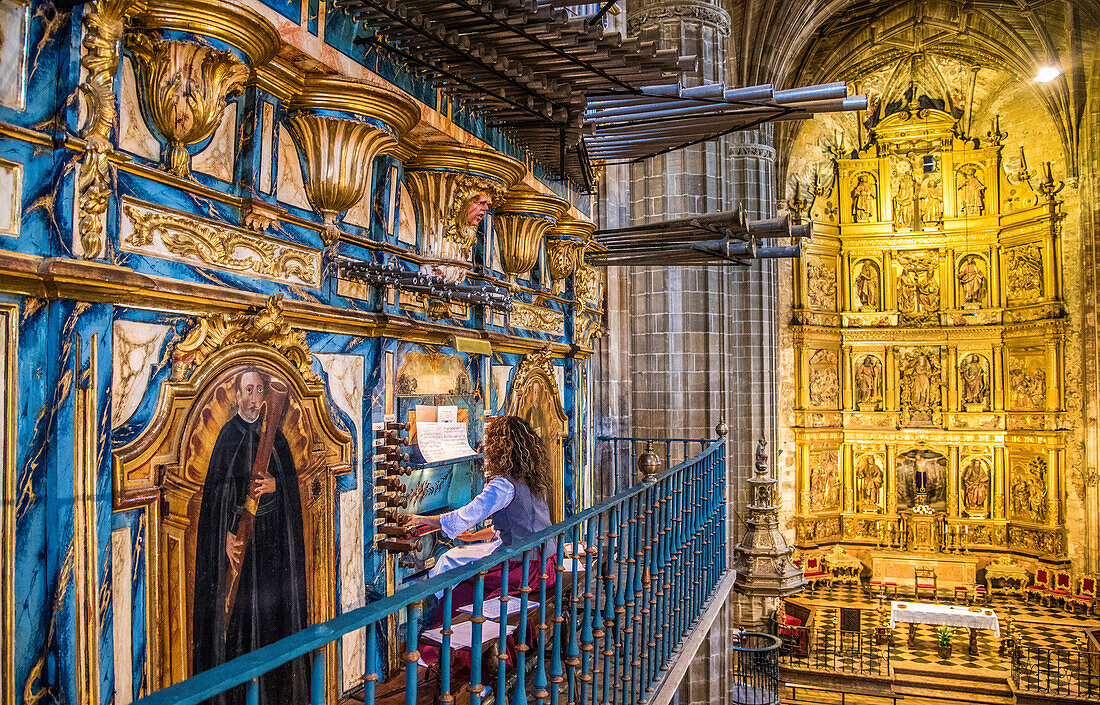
[(947, 615)]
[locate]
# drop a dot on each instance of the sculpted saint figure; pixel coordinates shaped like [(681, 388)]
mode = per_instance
[(974, 386), (867, 380), (871, 477), (971, 194), (975, 485), (867, 286), (903, 202), (920, 378), (971, 280), (864, 199), (270, 602)]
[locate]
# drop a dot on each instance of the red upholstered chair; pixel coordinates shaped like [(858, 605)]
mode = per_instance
[(924, 579), (962, 595), (1085, 596), (1041, 587), (815, 572), (981, 595), (1060, 588)]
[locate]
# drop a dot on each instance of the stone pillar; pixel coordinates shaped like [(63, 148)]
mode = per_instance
[(688, 346)]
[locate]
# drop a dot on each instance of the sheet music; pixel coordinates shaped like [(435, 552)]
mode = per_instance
[(446, 414), (442, 441), (463, 635)]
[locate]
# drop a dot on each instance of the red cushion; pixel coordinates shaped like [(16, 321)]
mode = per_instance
[(1037, 587), (813, 575), (1084, 597), (925, 585), (793, 621), (1060, 592)]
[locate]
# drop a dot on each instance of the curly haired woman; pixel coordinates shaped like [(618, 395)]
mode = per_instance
[(514, 497)]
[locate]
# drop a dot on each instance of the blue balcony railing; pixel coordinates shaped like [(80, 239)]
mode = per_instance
[(604, 600)]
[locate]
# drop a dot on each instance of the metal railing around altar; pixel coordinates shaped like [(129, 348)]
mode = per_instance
[(818, 649), (1053, 671), (604, 627)]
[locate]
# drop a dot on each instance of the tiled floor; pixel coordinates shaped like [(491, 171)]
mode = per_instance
[(1038, 626)]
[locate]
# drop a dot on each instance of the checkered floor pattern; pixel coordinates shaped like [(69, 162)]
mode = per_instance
[(1038, 625)]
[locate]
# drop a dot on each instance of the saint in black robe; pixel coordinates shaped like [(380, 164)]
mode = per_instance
[(271, 596)]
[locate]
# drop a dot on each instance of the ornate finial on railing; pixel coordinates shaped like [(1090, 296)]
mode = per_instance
[(721, 428), (649, 463)]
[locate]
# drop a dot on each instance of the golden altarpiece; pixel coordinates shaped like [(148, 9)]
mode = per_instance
[(928, 332)]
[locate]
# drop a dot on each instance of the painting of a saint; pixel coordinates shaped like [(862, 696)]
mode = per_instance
[(250, 558), (867, 286), (864, 200), (971, 280)]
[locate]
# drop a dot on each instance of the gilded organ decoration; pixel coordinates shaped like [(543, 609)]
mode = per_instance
[(1025, 272), (867, 286), (971, 190), (824, 481), (974, 382), (865, 199), (920, 382), (868, 387), (975, 478), (972, 281), (918, 286), (821, 285), (948, 338), (1029, 490), (824, 383)]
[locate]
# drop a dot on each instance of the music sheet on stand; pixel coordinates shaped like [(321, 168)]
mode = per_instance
[(440, 440)]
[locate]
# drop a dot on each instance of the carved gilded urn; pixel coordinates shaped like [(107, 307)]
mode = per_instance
[(565, 243), (339, 128), (452, 188), (183, 78), (520, 224)]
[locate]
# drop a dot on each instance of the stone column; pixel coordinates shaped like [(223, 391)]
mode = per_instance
[(688, 346)]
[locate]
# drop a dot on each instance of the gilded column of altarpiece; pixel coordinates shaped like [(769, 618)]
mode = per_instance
[(929, 334)]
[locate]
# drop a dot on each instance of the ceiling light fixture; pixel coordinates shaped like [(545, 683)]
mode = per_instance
[(1047, 74)]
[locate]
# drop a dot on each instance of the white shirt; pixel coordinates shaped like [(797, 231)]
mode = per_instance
[(497, 495)]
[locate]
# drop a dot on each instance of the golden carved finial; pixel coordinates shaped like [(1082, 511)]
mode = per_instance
[(103, 22), (537, 362), (522, 220), (265, 326), (565, 243), (184, 87)]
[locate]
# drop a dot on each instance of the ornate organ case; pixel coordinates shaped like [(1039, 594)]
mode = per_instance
[(929, 333)]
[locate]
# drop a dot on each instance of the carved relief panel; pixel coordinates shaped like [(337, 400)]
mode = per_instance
[(1027, 380), (920, 383), (821, 289), (823, 380), (917, 286), (825, 480)]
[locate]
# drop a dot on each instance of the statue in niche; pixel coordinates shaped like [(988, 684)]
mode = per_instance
[(921, 479), (920, 388), (971, 280), (865, 200), (867, 380), (822, 286), (824, 483), (1029, 490), (903, 202), (871, 479), (975, 385), (1025, 272), (931, 199), (867, 286), (975, 481), (971, 192), (1027, 383)]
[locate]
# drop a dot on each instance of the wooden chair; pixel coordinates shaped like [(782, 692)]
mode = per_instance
[(851, 628), (1085, 595), (1060, 587), (1041, 587), (815, 572), (981, 595), (962, 595), (924, 579)]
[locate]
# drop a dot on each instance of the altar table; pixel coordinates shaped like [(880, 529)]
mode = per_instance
[(914, 613)]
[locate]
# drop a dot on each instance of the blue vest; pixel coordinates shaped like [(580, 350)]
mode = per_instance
[(524, 516)]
